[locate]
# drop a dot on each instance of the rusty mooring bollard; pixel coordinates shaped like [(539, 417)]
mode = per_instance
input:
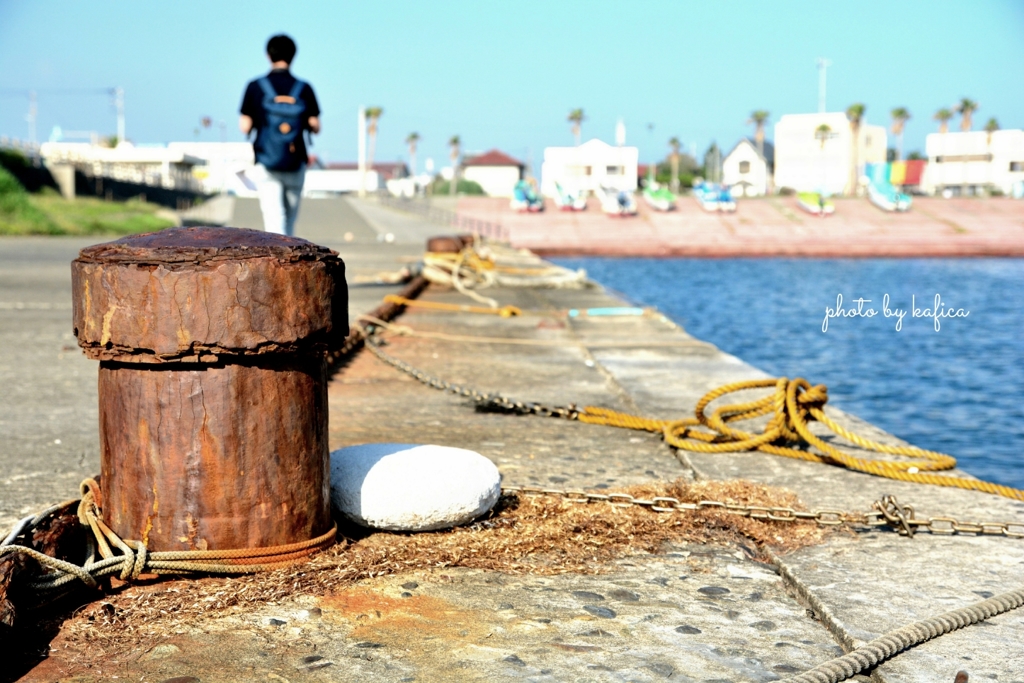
[(212, 383), (450, 244)]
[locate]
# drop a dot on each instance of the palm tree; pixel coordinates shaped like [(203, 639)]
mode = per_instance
[(576, 118), (990, 127), (373, 115), (454, 143), (822, 133), (674, 158), (966, 108), (900, 116), (854, 114), (713, 163), (411, 140), (943, 116), (759, 118)]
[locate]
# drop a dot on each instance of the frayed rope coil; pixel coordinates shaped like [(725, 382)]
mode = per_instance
[(129, 559), (894, 642)]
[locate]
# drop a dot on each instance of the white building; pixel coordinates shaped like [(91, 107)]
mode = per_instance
[(228, 165), (807, 160), (224, 162), (589, 166), (973, 162), (496, 172), (148, 165), (329, 181), (344, 177), (746, 171)]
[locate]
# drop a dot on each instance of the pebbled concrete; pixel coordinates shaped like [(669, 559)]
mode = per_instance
[(691, 614)]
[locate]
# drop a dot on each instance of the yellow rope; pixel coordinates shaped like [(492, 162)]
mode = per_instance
[(504, 311), (470, 258), (464, 271), (467, 257), (793, 404)]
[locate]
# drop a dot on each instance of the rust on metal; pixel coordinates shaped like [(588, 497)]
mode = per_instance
[(201, 245), (445, 244), (195, 294), (212, 345), (59, 535)]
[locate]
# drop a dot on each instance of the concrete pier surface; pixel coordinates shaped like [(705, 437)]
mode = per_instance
[(768, 226), (686, 612)]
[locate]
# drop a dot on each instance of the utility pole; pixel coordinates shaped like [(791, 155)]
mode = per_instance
[(33, 111), (823, 65), (119, 104), (362, 151)]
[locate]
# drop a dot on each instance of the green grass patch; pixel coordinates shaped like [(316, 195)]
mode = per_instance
[(47, 213), (91, 216), (442, 187), (18, 214)]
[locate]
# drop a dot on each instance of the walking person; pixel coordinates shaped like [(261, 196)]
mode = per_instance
[(280, 109)]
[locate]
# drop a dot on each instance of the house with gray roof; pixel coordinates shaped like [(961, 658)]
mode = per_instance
[(748, 171)]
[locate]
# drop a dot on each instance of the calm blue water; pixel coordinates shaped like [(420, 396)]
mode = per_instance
[(958, 390)]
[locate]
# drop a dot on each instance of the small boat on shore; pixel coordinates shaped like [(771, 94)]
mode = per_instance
[(568, 201), (659, 197), (615, 202), (815, 203), (525, 198), (883, 193), (713, 197), (725, 201), (705, 196)]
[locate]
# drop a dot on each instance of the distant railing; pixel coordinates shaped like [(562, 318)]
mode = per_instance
[(175, 178), (451, 219), (29, 149), (177, 190)]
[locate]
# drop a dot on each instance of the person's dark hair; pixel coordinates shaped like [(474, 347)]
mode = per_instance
[(281, 48)]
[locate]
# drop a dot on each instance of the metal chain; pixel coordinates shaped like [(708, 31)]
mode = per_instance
[(493, 402), (885, 512)]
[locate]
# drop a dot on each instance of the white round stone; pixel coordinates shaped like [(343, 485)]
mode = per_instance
[(409, 487)]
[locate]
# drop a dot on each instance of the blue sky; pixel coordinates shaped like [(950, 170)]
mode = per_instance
[(506, 74)]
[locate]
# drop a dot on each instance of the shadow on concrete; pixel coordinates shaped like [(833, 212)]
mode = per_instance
[(26, 645)]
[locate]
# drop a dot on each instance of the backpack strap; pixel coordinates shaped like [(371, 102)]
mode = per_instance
[(297, 89), (266, 87), (295, 92)]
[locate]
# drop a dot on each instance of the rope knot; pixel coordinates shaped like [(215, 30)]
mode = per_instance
[(814, 397), (139, 565), (89, 505)]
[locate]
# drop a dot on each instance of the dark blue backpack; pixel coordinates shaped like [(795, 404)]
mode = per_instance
[(285, 119)]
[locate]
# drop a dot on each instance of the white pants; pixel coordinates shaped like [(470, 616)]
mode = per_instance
[(280, 192)]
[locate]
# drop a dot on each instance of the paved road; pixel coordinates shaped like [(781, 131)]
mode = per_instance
[(48, 419), (321, 220)]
